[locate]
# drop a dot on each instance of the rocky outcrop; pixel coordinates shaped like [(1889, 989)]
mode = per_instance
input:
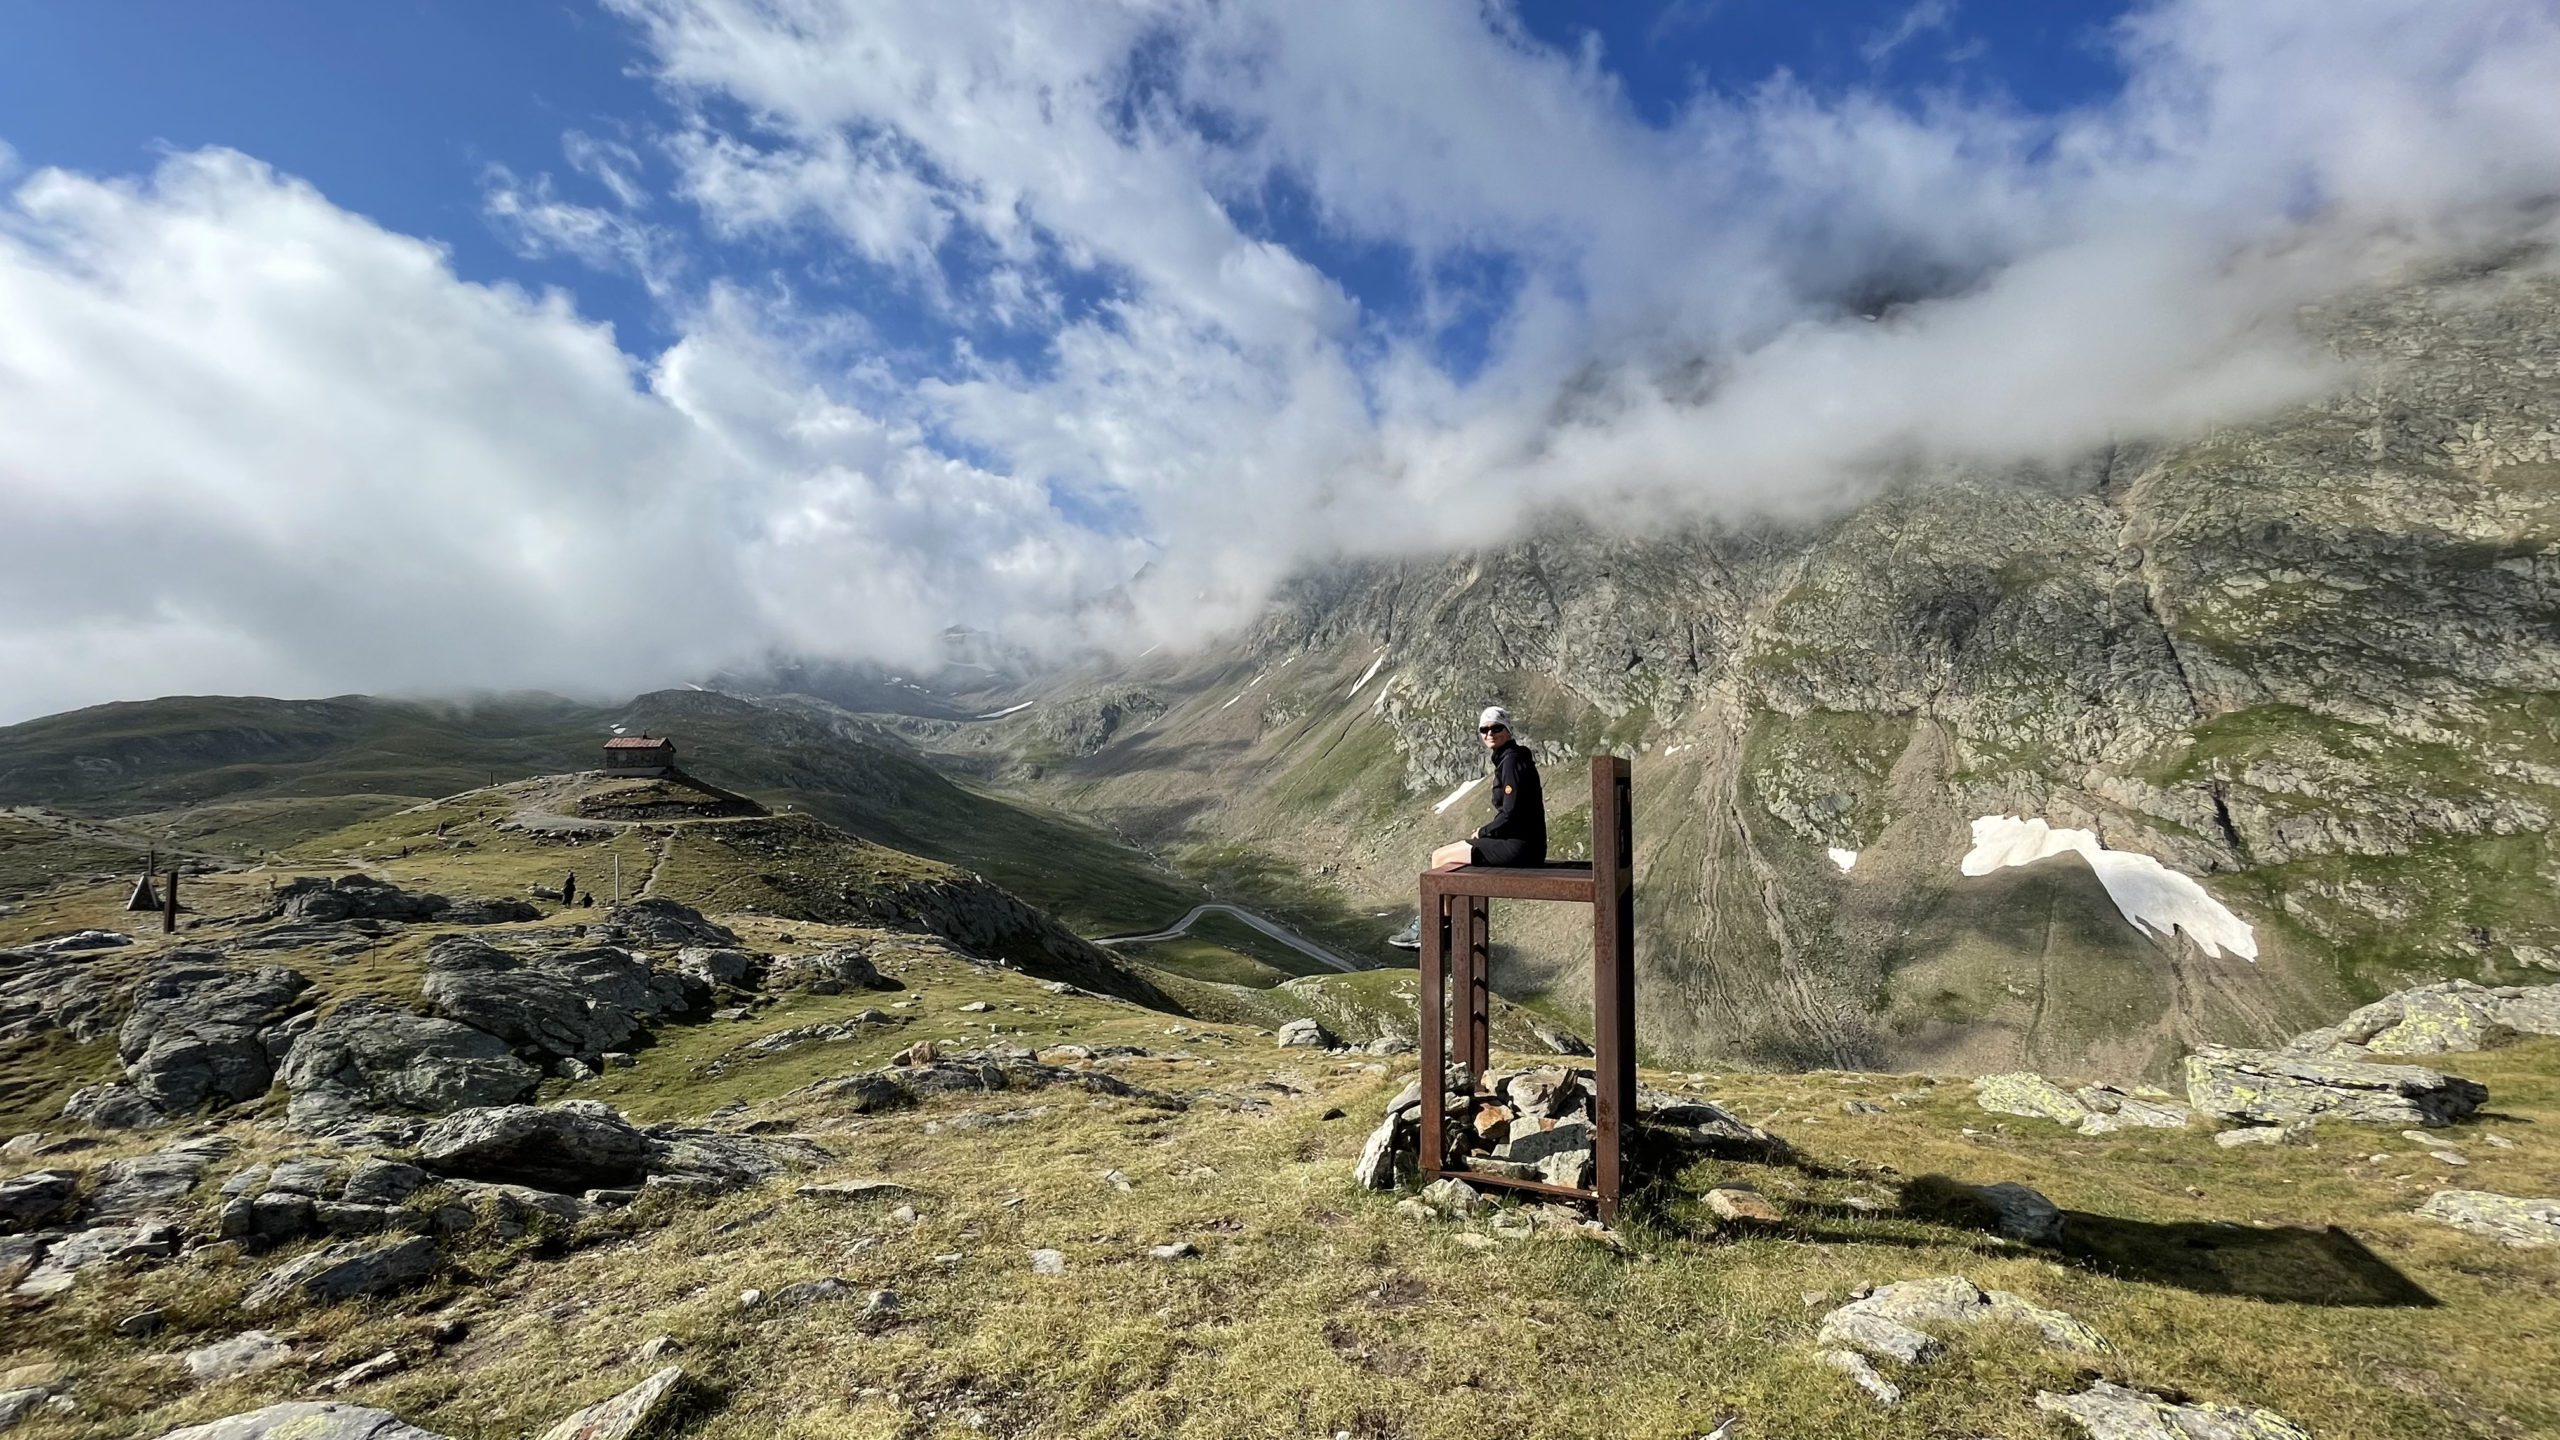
[(2112, 1412), (626, 1414), (317, 899), (44, 990), (370, 1067), (344, 1271), (659, 924), (2440, 1019), (576, 1145), (201, 1035), (28, 1201), (2500, 1217), (2271, 1087), (113, 1106), (568, 1004), (1900, 1323), (826, 972)]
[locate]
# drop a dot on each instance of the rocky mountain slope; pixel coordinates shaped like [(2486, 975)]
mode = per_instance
[(2312, 663)]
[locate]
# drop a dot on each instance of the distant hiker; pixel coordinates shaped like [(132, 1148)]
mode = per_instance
[(1517, 833), (569, 889)]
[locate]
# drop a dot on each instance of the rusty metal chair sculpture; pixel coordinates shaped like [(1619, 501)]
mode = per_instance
[(1456, 937)]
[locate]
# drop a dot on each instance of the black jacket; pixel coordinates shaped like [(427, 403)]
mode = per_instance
[(1519, 806)]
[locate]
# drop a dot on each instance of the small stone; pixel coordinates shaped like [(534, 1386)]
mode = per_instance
[(2499, 1142), (1303, 1033), (2504, 1218), (2446, 1157), (882, 1302), (811, 1292), (1179, 1250), (619, 1060), (657, 1347), (246, 1353), (1048, 1262), (976, 1007), (750, 1298), (1449, 1197), (142, 1324), (904, 1215), (1475, 1240), (624, 1415), (1116, 1181), (1742, 1203), (363, 1372), (2021, 1213)]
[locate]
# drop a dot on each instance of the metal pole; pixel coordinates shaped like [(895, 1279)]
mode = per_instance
[(169, 903), (617, 877)]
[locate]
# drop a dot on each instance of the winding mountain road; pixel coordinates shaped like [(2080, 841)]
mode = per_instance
[(1272, 928)]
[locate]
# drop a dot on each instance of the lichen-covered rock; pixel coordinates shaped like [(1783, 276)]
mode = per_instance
[(2273, 1087), (2032, 1096), (2021, 1213), (831, 971), (2112, 1412), (2456, 1015), (571, 1004), (2500, 1217), (657, 923), (1893, 1321)]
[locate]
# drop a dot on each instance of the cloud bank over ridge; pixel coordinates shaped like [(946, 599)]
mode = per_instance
[(251, 441)]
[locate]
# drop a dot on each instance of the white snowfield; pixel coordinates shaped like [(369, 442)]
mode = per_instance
[(1009, 709), (1458, 794), (1847, 860), (2155, 898), (1366, 676)]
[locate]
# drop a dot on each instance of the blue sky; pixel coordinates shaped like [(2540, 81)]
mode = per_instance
[(406, 345), (398, 110)]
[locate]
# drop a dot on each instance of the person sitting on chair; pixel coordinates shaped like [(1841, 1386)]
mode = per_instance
[(1517, 833)]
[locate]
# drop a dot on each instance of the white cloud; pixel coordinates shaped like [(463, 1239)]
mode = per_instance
[(1753, 309), (252, 442), (1923, 17)]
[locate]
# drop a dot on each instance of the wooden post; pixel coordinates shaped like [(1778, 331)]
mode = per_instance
[(169, 903)]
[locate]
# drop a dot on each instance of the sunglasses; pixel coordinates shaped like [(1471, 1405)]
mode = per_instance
[(1491, 729)]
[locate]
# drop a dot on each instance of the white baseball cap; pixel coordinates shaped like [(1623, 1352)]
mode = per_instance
[(1494, 715)]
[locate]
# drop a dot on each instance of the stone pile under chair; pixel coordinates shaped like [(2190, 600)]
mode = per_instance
[(1527, 1124)]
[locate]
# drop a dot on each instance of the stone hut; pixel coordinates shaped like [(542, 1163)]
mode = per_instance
[(639, 756)]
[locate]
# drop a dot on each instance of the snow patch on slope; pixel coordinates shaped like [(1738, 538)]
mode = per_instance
[(1366, 676), (1847, 860), (1009, 709), (1458, 794), (2155, 898)]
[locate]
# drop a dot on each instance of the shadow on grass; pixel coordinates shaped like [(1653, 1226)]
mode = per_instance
[(2283, 1264)]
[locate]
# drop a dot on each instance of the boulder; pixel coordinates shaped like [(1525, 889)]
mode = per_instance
[(2500, 1217), (1692, 1123), (2112, 1412), (575, 1145), (153, 1186), (831, 971), (1304, 1033), (2297, 1133), (661, 924), (714, 965), (2032, 1096), (344, 1270), (1896, 1321), (113, 1107), (28, 1201), (382, 1182), (2272, 1087), (306, 1420), (572, 1004), (2020, 1213), (624, 1415), (367, 1063), (2455, 1015), (202, 1035)]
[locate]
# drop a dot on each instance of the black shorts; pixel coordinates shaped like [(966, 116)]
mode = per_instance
[(1507, 852)]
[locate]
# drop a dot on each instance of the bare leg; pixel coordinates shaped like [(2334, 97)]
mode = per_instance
[(1452, 855)]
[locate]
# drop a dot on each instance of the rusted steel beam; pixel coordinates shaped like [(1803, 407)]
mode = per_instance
[(1613, 974), (1479, 953), (1568, 884), (1432, 1146)]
